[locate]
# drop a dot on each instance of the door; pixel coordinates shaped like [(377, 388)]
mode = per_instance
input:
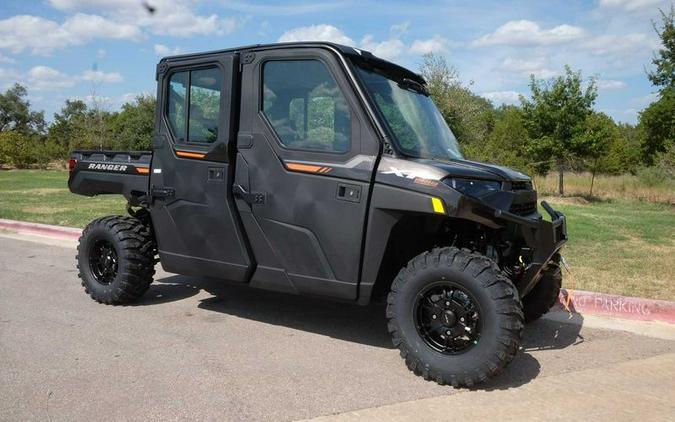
[(304, 167), (196, 224)]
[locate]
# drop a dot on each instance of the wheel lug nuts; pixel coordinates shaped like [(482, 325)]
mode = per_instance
[(434, 317), (462, 319), (447, 303), (448, 332)]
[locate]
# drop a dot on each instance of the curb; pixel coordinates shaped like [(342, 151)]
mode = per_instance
[(56, 232), (624, 307), (580, 301)]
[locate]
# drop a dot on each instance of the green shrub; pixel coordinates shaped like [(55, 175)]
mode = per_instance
[(21, 151), (653, 176), (666, 161)]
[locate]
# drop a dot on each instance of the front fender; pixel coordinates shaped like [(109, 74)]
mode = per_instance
[(388, 205)]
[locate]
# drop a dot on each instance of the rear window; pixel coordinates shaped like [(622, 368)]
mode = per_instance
[(194, 97)]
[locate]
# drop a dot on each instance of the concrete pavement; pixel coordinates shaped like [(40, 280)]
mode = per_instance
[(629, 391), (197, 349)]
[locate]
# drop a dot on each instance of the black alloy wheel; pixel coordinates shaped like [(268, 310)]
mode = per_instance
[(447, 318), (116, 259), (103, 261), (455, 317)]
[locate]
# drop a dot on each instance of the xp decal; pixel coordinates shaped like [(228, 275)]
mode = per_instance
[(409, 169)]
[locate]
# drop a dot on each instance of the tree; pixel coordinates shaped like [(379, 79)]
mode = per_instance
[(439, 75), (657, 121), (555, 114), (507, 142), (78, 126), (68, 128), (133, 127), (594, 141), (470, 116), (664, 60), (21, 130), (15, 112), (623, 152)]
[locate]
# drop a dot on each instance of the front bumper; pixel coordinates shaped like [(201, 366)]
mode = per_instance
[(543, 238)]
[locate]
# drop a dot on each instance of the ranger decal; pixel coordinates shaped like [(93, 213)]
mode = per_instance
[(107, 167)]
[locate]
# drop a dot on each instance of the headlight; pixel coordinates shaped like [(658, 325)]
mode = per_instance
[(474, 188)]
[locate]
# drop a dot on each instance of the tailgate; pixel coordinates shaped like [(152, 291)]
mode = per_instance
[(110, 172)]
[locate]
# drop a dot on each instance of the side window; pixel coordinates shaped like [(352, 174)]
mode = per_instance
[(176, 107), (201, 101), (204, 105), (305, 106)]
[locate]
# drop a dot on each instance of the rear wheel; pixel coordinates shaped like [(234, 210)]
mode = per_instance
[(455, 317), (544, 294), (116, 259)]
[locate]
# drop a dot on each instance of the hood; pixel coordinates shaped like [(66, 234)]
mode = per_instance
[(475, 170)]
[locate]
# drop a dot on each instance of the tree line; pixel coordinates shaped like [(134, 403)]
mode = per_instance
[(555, 128), (27, 141)]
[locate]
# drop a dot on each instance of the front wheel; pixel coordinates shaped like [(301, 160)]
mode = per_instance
[(455, 317), (116, 259), (544, 294)]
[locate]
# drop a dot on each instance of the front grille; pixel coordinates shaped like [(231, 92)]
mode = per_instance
[(524, 208), (521, 185), (525, 198)]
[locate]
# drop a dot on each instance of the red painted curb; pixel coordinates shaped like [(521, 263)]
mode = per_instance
[(58, 232), (635, 308)]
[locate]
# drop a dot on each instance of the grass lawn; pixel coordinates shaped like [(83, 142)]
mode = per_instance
[(616, 246), (43, 196), (619, 246)]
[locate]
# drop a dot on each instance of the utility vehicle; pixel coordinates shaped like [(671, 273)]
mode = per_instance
[(319, 169)]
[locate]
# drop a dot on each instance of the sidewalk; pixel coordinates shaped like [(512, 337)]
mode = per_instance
[(641, 390)]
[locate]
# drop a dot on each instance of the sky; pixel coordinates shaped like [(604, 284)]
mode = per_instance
[(105, 51)]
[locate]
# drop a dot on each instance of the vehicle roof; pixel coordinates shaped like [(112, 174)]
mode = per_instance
[(364, 55)]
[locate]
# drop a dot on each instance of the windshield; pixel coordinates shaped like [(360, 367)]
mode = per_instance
[(413, 119)]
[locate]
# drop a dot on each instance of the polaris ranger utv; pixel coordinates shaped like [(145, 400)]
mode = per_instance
[(319, 169)]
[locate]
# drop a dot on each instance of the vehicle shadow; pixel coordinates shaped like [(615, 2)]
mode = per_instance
[(350, 322), (540, 335), (169, 289), (344, 321), (553, 334)]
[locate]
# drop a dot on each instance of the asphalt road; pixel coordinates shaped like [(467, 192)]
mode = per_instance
[(203, 350)]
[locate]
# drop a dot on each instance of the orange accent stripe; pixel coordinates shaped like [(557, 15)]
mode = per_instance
[(143, 170), (303, 167), (188, 154)]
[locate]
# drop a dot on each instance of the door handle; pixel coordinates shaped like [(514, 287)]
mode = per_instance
[(351, 193), (253, 198), (162, 193)]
